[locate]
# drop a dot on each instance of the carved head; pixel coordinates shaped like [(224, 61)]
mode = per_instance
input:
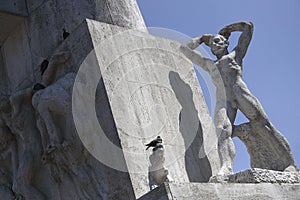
[(218, 45)]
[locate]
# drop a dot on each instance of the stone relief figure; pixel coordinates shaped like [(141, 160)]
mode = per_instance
[(8, 150), (63, 150), (28, 144), (54, 101), (54, 68), (46, 100), (232, 92)]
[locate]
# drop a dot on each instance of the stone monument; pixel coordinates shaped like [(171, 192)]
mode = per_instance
[(84, 86), (45, 154)]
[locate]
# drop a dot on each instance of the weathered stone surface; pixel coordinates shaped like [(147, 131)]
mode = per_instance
[(140, 71), (58, 173), (57, 178), (218, 191), (12, 13), (257, 175), (36, 37), (15, 7), (8, 22)]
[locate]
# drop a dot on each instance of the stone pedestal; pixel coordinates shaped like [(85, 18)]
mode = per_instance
[(219, 191), (157, 172), (257, 175)]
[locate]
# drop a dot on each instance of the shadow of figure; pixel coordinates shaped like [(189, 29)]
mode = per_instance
[(196, 162)]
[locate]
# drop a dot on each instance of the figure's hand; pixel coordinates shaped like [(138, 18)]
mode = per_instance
[(195, 42), (205, 38)]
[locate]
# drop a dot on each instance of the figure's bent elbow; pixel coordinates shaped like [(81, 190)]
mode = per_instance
[(249, 26)]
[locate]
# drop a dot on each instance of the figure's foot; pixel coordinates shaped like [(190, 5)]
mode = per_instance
[(219, 179), (222, 176), (291, 168)]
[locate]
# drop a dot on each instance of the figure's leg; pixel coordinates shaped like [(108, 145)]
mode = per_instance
[(242, 131), (253, 110), (226, 149), (43, 131), (45, 114), (250, 106), (22, 184)]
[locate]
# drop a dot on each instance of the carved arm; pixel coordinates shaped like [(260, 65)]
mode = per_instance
[(188, 50), (247, 31), (195, 42)]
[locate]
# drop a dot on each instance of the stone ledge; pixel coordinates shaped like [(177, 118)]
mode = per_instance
[(257, 175), (228, 191)]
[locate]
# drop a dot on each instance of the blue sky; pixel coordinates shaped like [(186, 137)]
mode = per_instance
[(271, 67)]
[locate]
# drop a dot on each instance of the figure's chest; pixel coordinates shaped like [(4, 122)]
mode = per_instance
[(227, 63)]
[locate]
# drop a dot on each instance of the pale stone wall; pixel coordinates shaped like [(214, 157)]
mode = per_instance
[(141, 71), (29, 35)]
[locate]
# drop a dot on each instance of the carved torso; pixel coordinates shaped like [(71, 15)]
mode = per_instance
[(228, 75)]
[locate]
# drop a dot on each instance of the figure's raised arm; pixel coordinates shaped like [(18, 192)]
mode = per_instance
[(188, 50), (247, 30), (195, 42)]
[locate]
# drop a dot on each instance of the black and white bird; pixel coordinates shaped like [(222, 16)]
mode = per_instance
[(154, 143)]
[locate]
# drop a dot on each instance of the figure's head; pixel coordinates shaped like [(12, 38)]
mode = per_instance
[(218, 45)]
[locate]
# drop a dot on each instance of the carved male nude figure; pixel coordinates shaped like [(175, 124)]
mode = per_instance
[(232, 92)]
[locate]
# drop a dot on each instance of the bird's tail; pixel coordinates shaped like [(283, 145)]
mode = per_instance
[(147, 147)]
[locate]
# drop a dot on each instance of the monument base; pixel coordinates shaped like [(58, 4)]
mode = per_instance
[(196, 191), (256, 175), (241, 185)]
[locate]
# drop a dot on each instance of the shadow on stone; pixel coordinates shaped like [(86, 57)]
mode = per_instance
[(196, 162)]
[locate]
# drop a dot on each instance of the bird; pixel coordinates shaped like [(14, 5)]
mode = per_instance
[(153, 143), (65, 34)]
